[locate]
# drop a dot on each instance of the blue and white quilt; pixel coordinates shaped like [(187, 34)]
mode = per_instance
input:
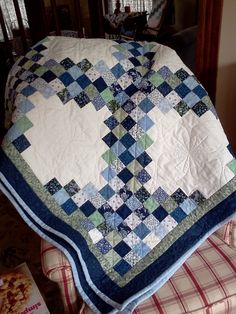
[(115, 154)]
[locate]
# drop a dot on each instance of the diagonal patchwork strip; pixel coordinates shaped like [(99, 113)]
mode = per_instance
[(117, 88)]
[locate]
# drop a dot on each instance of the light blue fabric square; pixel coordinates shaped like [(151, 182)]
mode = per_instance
[(113, 219), (108, 174), (98, 102), (138, 82), (13, 133), (141, 50), (160, 231), (118, 148), (146, 105), (191, 99), (213, 110), (50, 63), (136, 150), (121, 98), (75, 72), (90, 190), (43, 88), (25, 106), (74, 89), (61, 196), (164, 105), (108, 77), (190, 82), (142, 231), (128, 46), (101, 67), (145, 122), (188, 205), (133, 203), (141, 249), (24, 75), (47, 92), (39, 84), (119, 55)]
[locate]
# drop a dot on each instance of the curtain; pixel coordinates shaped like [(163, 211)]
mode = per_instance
[(9, 14), (135, 5)]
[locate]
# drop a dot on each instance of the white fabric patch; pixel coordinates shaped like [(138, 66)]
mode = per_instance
[(65, 140)]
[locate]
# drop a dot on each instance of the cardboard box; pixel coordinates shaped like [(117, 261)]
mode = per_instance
[(19, 293)]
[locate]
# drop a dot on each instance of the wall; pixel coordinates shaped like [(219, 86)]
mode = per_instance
[(185, 13), (226, 79)]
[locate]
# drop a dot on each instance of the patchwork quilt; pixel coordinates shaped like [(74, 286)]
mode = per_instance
[(115, 154)]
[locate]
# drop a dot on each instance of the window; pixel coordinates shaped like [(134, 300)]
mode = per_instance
[(135, 5), (10, 18)]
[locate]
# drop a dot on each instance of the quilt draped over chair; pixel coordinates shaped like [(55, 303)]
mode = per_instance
[(115, 155)]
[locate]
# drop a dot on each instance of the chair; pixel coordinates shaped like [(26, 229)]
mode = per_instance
[(168, 22), (155, 21), (204, 284), (133, 25), (136, 26), (112, 24)]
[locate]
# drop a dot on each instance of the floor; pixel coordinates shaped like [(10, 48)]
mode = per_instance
[(18, 244)]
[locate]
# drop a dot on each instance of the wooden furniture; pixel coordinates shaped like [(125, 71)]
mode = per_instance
[(133, 25)]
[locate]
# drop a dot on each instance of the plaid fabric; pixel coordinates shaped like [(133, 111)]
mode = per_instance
[(205, 284), (57, 268), (228, 233)]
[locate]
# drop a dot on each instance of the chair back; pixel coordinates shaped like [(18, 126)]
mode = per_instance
[(133, 24), (157, 15)]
